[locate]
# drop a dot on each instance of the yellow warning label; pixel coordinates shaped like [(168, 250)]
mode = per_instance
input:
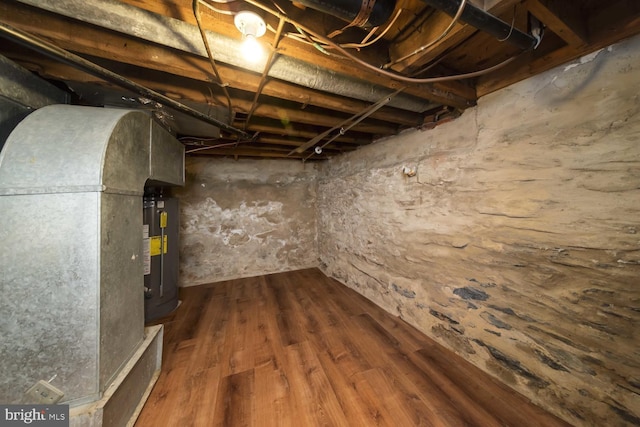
[(154, 245), (163, 220)]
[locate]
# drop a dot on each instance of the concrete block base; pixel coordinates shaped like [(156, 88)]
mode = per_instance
[(124, 398)]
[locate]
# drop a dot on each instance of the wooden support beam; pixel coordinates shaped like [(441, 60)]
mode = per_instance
[(563, 17), (430, 30), (482, 50), (297, 142), (448, 93), (132, 51), (613, 21), (181, 9), (189, 90), (253, 152), (300, 131)]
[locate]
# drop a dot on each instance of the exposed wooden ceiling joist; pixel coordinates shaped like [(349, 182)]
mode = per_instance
[(288, 115), (563, 17), (605, 24)]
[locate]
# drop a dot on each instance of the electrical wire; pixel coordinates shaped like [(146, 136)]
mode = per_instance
[(188, 139), (211, 147), (53, 51), (349, 123), (380, 71), (348, 127), (195, 139), (453, 22), (309, 40), (370, 34), (366, 43), (196, 12), (513, 21), (265, 73), (428, 66), (216, 10)]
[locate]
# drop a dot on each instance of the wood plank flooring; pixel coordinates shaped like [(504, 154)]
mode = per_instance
[(300, 349)]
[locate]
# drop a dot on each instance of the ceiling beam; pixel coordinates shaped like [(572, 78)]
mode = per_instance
[(296, 142), (186, 90), (220, 23), (180, 35), (430, 30), (613, 21), (241, 151), (482, 51), (129, 50), (563, 17)]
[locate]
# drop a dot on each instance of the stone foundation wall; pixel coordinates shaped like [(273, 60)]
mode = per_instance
[(246, 218), (517, 242)]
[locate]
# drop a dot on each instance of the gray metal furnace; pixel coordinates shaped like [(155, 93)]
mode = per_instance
[(72, 306), (160, 257)]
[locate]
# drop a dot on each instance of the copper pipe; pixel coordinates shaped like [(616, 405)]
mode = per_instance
[(196, 12), (265, 72)]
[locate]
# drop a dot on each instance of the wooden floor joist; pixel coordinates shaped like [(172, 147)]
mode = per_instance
[(300, 349)]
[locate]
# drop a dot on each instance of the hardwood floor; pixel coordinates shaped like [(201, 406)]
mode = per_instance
[(300, 349)]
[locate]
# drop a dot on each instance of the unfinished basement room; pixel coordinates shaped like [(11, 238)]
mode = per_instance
[(320, 213)]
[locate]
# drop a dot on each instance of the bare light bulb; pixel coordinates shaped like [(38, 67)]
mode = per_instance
[(251, 49), (252, 26)]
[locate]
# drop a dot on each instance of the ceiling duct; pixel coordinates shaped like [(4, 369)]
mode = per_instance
[(359, 13)]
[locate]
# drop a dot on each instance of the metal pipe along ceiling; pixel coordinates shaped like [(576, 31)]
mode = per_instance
[(486, 22), (361, 12)]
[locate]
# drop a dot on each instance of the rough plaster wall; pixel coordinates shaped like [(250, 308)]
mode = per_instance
[(517, 243), (246, 218)]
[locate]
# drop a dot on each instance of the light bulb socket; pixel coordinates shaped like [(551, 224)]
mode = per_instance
[(250, 24)]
